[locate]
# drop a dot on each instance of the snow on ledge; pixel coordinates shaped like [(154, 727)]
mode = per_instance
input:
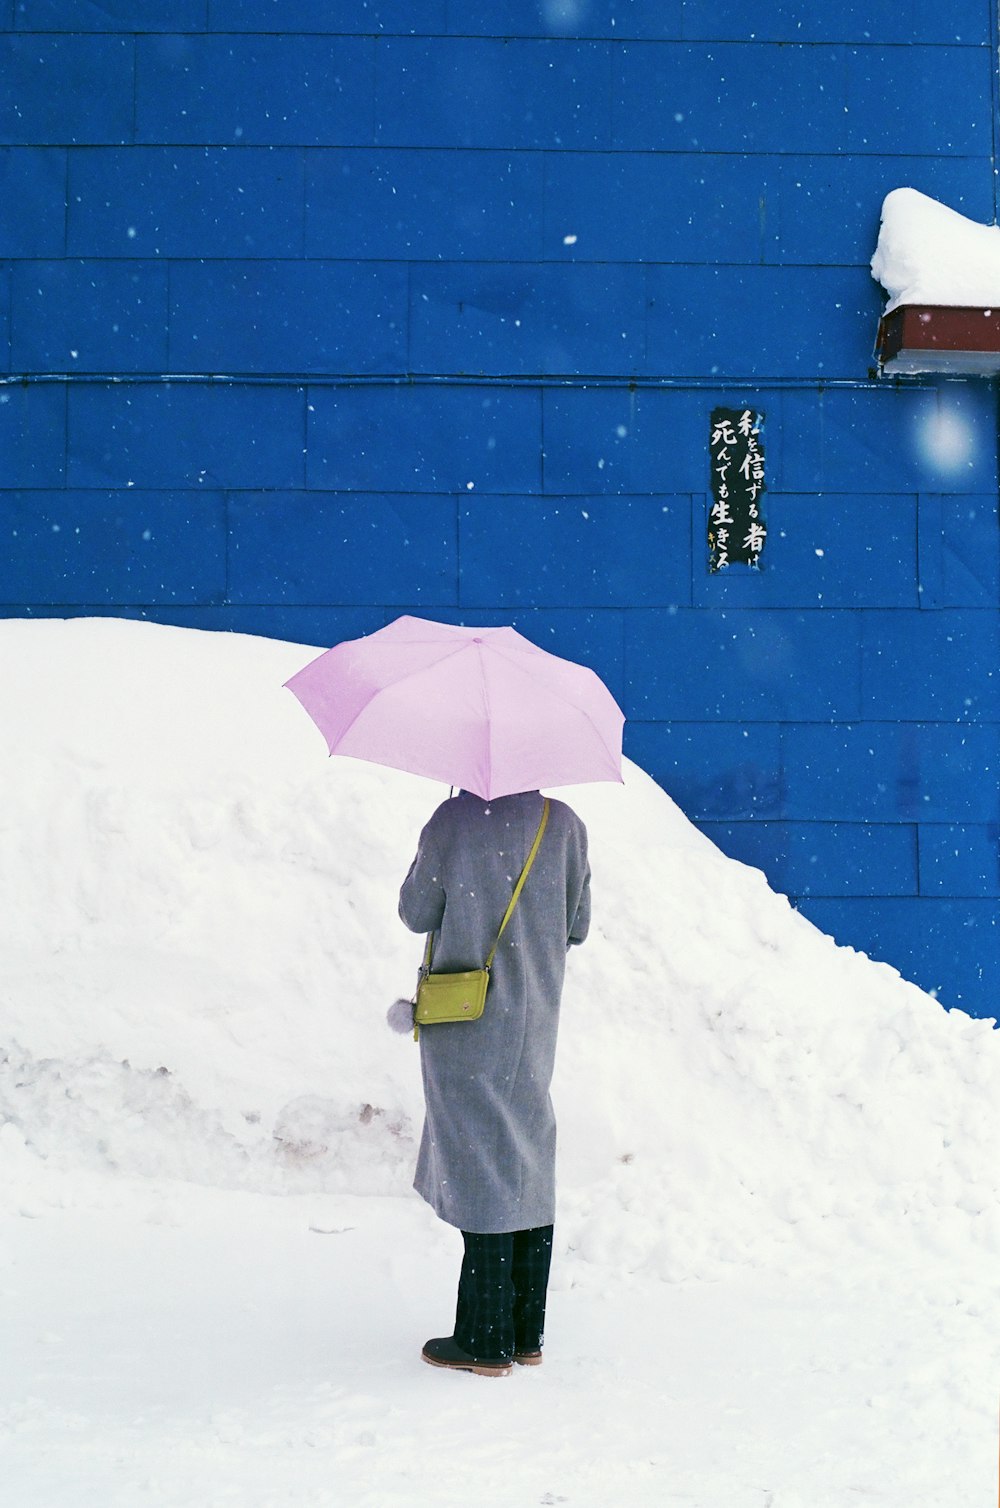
[(930, 254)]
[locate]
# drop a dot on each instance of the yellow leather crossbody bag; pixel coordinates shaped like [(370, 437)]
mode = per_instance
[(462, 997)]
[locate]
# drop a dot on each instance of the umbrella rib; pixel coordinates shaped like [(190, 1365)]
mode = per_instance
[(560, 696), (389, 684), (489, 720)]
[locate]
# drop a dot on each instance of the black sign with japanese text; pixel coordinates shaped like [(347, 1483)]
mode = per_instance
[(736, 528)]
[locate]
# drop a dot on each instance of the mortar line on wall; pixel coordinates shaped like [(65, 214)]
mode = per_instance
[(169, 270), (854, 821), (623, 619), (917, 865), (543, 197), (458, 551), (135, 84), (618, 44), (304, 206), (66, 437), (374, 118), (541, 442), (625, 681), (920, 584), (578, 37), (305, 436), (65, 230), (646, 306), (227, 526), (432, 148)]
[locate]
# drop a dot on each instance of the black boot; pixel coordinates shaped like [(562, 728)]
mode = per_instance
[(444, 1352)]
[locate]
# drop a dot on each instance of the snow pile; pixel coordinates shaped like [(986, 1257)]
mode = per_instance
[(930, 254), (200, 942)]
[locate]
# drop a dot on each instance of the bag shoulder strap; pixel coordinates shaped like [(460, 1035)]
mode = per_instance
[(520, 884), (514, 898)]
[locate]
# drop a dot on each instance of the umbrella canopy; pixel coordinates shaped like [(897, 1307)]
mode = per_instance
[(480, 708)]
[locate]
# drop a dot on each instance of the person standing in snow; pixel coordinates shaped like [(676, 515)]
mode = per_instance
[(487, 1154)]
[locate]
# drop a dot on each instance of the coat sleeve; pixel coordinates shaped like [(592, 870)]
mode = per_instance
[(580, 925), (578, 897), (422, 898)]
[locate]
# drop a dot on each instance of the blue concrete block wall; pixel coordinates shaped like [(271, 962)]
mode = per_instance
[(313, 315), (184, 202), (832, 858), (106, 547)]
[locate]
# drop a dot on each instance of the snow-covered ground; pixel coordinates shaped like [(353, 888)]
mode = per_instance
[(776, 1280)]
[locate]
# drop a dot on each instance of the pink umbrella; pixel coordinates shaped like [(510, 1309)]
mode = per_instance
[(480, 708)]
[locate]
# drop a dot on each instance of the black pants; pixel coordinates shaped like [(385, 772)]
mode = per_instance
[(501, 1292)]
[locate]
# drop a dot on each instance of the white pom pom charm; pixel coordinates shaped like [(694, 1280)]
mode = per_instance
[(400, 1016)]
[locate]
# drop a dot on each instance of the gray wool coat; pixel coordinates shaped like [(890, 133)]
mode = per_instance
[(487, 1154)]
